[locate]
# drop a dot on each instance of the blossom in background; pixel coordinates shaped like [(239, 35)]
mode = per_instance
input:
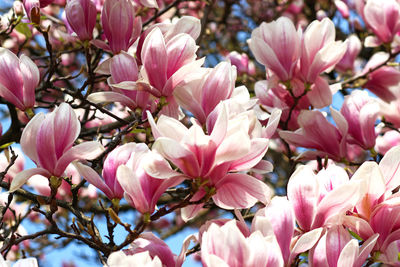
[(121, 26), (81, 17), (19, 78)]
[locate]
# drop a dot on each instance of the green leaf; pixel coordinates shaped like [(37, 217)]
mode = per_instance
[(24, 29)]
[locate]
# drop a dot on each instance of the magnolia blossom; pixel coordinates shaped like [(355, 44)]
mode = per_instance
[(383, 18), (120, 259), (276, 45), (120, 25), (140, 189), (48, 141), (349, 58), (227, 246), (317, 133), (242, 63), (81, 17), (318, 200), (232, 145), (185, 24), (388, 140), (19, 78), (278, 218), (337, 248), (200, 96), (32, 8), (167, 63), (125, 83), (320, 52), (384, 81), (361, 112)]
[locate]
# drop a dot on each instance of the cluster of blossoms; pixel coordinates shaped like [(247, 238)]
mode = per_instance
[(132, 109)]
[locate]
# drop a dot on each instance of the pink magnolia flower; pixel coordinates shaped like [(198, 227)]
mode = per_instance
[(109, 183), (125, 83), (48, 141), (317, 133), (276, 45), (279, 218), (120, 259), (319, 50), (383, 18), (157, 251), (32, 8), (388, 140), (383, 82), (337, 248), (81, 17), (242, 63), (186, 24), (166, 64), (361, 112), (18, 79), (380, 180), (140, 189), (348, 59), (318, 200), (342, 8), (120, 25), (271, 94), (227, 246), (200, 96), (215, 159)]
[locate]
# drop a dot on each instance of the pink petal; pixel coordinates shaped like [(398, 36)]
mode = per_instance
[(240, 191), (21, 178), (302, 192), (94, 178), (29, 135), (154, 56), (389, 165), (84, 151)]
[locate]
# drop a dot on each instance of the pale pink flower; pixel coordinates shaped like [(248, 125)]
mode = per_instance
[(48, 141), (156, 250), (386, 141), (279, 218), (318, 200), (125, 83), (120, 259), (227, 246), (232, 145), (186, 24), (242, 63), (317, 133), (342, 8), (337, 248), (276, 45), (383, 18), (319, 50), (19, 78), (271, 94), (361, 112), (384, 81), (120, 25), (167, 63), (32, 8), (140, 189), (200, 96), (349, 58), (379, 181), (81, 17)]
